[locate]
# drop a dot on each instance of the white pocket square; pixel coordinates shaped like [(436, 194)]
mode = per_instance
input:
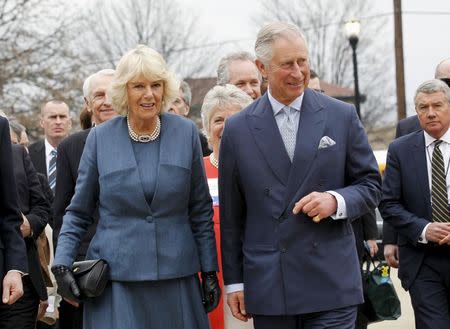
[(326, 142)]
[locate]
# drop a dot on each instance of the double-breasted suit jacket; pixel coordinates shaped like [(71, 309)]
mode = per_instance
[(406, 201), (170, 237), (288, 263)]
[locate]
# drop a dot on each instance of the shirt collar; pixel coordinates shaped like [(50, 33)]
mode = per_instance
[(277, 106), (48, 148), (429, 140)]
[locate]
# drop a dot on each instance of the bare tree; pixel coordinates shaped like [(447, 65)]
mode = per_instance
[(322, 22), (117, 26), (37, 61)]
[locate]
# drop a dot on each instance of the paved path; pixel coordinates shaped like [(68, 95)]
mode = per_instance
[(406, 321)]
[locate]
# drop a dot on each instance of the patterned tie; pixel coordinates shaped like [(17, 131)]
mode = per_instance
[(52, 171), (439, 196), (288, 131)]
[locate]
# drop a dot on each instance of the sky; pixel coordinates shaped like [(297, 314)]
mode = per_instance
[(426, 38)]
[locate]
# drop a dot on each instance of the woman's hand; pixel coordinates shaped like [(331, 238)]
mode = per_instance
[(211, 291), (67, 285)]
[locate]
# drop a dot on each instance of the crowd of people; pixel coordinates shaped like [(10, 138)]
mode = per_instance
[(259, 220)]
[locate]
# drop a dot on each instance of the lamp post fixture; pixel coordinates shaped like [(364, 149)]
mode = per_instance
[(352, 29)]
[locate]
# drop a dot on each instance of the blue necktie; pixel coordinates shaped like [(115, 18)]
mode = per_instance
[(288, 131), (52, 171)]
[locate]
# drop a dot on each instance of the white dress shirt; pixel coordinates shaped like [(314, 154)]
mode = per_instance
[(445, 150)]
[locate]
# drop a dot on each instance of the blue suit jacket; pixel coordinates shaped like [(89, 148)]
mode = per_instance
[(289, 264), (170, 237), (406, 201)]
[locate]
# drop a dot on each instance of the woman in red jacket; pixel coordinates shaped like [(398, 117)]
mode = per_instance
[(220, 103)]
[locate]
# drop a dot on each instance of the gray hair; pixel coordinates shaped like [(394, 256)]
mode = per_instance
[(223, 73), (87, 85), (269, 33), (433, 86), (186, 91), (219, 97)]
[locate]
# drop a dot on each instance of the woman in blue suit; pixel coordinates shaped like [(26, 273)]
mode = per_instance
[(144, 171)]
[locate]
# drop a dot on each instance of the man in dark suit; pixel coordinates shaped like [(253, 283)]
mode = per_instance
[(35, 211), (69, 155), (404, 127), (13, 258), (56, 122), (415, 202), (295, 169)]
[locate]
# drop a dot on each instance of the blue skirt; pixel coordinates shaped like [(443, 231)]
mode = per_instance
[(165, 304)]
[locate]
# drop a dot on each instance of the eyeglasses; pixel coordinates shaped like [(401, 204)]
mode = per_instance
[(446, 80), (319, 90)]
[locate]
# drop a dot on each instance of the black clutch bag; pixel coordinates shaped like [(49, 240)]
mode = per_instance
[(91, 277)]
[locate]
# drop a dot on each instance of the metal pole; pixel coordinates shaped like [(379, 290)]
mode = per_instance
[(399, 65), (353, 43)]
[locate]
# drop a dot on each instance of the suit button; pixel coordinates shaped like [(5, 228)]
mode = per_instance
[(149, 219), (267, 191), (283, 250), (315, 244)]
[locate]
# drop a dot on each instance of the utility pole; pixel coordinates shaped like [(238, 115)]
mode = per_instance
[(399, 66)]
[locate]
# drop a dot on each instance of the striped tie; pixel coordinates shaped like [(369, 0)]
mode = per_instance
[(439, 196), (52, 171)]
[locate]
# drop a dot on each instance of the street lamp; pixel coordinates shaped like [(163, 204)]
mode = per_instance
[(352, 29)]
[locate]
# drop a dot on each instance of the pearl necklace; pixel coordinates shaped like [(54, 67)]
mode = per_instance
[(213, 160), (145, 138)]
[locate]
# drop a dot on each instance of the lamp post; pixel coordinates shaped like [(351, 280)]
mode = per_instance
[(352, 29)]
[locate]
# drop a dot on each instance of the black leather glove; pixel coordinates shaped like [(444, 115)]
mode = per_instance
[(211, 291), (67, 286)]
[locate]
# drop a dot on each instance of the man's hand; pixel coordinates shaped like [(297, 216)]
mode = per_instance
[(437, 232), (445, 240), (391, 255), (317, 205), (12, 287), (373, 247), (25, 228), (235, 301)]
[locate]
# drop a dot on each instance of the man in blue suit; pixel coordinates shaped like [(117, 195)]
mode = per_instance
[(415, 202), (295, 170)]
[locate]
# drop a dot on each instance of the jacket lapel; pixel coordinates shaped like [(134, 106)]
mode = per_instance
[(310, 131), (268, 139), (420, 168), (128, 160)]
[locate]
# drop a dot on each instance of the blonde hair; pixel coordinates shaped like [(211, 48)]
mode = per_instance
[(147, 62)]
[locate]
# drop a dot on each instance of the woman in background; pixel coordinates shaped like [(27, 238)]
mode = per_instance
[(219, 103)]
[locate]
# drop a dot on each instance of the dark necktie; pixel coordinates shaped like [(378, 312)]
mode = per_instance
[(439, 196), (52, 171)]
